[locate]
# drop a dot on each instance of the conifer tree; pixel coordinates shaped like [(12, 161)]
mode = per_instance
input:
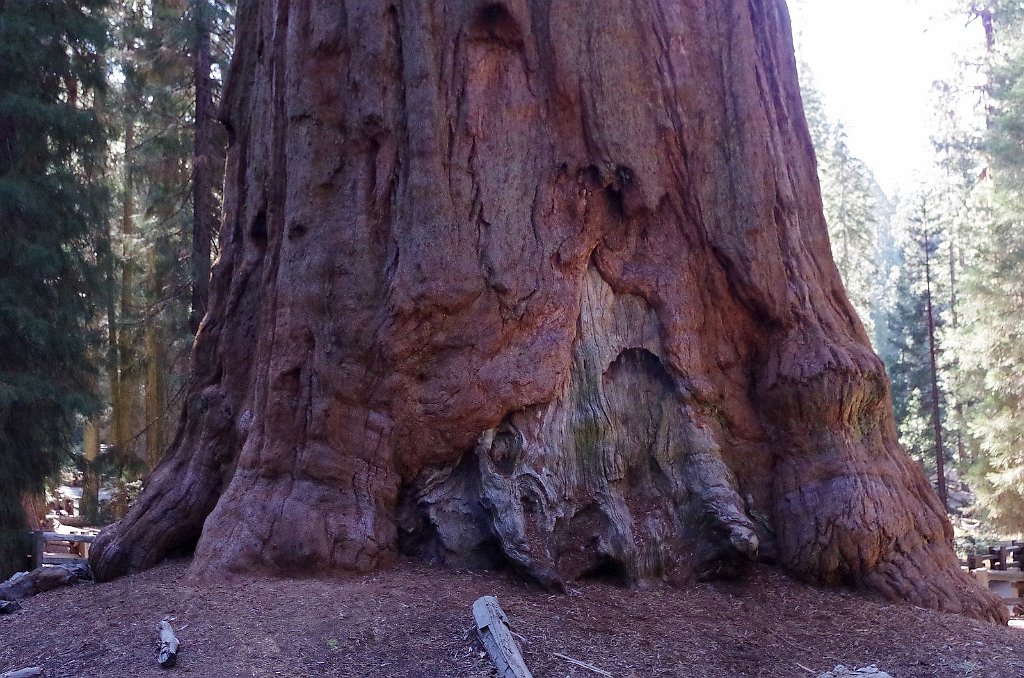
[(52, 212), (919, 399), (991, 309), (169, 168)]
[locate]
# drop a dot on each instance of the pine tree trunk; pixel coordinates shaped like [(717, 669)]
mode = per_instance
[(544, 283), (204, 217), (989, 27), (89, 505), (962, 459), (155, 401), (940, 456), (123, 385), (35, 509)]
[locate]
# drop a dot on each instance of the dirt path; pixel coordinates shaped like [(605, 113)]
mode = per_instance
[(414, 621)]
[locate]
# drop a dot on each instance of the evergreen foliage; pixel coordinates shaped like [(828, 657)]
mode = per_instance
[(880, 253), (52, 208), (851, 213), (994, 296), (969, 219), (908, 358), (148, 315)]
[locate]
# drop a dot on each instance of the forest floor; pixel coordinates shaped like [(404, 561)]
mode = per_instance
[(414, 620)]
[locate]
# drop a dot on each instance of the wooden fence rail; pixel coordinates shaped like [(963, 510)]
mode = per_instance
[(40, 539), (999, 557)]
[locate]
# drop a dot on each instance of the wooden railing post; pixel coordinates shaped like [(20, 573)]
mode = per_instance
[(38, 547)]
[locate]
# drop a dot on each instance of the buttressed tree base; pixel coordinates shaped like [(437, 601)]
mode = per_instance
[(536, 282)]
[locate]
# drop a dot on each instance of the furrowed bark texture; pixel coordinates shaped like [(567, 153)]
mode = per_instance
[(539, 282)]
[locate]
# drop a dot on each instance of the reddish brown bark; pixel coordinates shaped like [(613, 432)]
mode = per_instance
[(204, 155), (537, 282), (123, 366)]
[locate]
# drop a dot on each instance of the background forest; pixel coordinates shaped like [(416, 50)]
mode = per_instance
[(935, 274), (110, 172)]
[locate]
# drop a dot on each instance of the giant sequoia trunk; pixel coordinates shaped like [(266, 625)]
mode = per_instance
[(542, 282)]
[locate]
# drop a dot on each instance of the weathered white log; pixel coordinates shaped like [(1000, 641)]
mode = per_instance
[(168, 646), (493, 629), (30, 672)]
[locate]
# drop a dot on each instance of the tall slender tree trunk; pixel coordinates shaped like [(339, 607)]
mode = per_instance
[(123, 384), (203, 171), (113, 354), (155, 401), (14, 518), (34, 507), (538, 283), (962, 458), (89, 506), (940, 456), (988, 26)]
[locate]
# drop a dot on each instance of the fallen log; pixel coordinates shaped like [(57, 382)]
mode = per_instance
[(30, 672), (493, 629), (27, 584), (168, 646)]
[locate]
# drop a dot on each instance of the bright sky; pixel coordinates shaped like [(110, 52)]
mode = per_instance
[(874, 62)]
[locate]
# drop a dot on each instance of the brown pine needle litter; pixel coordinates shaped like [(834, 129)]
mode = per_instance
[(415, 621)]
